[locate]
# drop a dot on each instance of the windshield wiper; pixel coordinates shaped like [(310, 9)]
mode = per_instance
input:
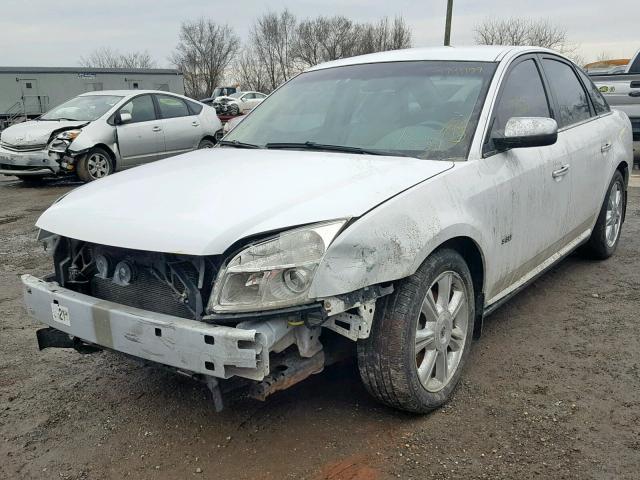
[(237, 144), (332, 148)]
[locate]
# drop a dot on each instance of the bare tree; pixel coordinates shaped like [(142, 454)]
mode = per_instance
[(329, 38), (521, 31), (384, 35), (326, 38), (251, 72), (203, 53), (272, 39), (105, 57), (279, 47)]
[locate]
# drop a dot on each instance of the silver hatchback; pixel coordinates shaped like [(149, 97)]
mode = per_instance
[(97, 133)]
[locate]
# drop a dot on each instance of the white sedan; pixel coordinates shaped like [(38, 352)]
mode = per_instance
[(239, 102), (392, 200)]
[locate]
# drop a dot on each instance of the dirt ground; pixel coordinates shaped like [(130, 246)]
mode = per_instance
[(552, 390)]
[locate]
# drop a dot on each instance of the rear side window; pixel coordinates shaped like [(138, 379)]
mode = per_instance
[(172, 107), (571, 97), (141, 109), (599, 103), (194, 107), (523, 95)]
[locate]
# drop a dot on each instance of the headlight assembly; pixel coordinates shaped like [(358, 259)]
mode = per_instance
[(274, 273), (69, 134)]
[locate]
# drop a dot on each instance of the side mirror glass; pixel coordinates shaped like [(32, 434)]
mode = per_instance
[(526, 132), (123, 117)]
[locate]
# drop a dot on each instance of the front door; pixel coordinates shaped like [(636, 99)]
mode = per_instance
[(140, 140), (531, 192), (182, 130)]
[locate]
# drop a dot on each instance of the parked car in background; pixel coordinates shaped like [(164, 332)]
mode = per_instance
[(391, 200), (622, 91), (98, 133), (219, 92), (238, 103)]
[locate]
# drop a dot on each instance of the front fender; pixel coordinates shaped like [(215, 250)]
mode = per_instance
[(94, 134), (392, 241)]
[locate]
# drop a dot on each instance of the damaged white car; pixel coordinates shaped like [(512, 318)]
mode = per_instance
[(98, 133), (385, 202)]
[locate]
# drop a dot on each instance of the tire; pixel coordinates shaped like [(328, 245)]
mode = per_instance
[(234, 110), (206, 143), (94, 165), (606, 234), (389, 359)]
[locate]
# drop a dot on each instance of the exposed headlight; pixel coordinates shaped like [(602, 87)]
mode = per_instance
[(69, 134), (275, 273)]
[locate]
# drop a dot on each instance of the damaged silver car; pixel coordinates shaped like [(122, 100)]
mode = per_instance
[(377, 206), (98, 133)]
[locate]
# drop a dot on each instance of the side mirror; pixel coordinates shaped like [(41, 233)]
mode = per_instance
[(123, 117), (525, 132), (243, 99)]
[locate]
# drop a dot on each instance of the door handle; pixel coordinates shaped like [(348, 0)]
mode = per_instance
[(195, 124), (156, 129), (561, 172), (605, 147)]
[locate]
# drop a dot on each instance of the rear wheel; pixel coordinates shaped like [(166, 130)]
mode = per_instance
[(95, 164), (606, 234), (421, 336)]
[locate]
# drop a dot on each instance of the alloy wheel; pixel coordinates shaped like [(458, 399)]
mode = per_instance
[(613, 218), (441, 331), (98, 165)]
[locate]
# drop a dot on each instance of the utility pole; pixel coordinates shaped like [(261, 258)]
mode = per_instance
[(447, 27)]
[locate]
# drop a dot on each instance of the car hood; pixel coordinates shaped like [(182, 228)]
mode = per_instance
[(200, 203), (35, 132)]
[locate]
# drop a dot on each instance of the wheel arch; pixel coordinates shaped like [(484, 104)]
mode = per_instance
[(473, 256), (623, 168), (110, 152), (208, 137)]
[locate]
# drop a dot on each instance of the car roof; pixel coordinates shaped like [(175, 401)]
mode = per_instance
[(475, 53), (125, 93)]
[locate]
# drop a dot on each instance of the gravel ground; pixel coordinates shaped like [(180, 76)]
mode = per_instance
[(552, 390)]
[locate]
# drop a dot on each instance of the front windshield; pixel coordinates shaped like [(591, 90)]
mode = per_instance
[(83, 108), (425, 109)]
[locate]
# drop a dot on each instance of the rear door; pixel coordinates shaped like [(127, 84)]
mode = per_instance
[(140, 140), (182, 128), (587, 139)]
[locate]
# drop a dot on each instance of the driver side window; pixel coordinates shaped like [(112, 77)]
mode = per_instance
[(523, 95), (141, 109)]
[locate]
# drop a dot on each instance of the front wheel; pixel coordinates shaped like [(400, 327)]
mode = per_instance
[(96, 164), (606, 234), (421, 336), (234, 109), (206, 143)]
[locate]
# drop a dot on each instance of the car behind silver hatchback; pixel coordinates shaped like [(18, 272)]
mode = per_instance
[(97, 133)]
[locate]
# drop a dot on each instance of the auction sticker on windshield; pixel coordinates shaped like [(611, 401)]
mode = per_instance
[(60, 314)]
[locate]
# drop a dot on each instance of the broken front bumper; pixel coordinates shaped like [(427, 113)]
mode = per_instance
[(31, 163), (189, 345)]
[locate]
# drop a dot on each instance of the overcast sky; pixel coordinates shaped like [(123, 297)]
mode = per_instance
[(58, 33)]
